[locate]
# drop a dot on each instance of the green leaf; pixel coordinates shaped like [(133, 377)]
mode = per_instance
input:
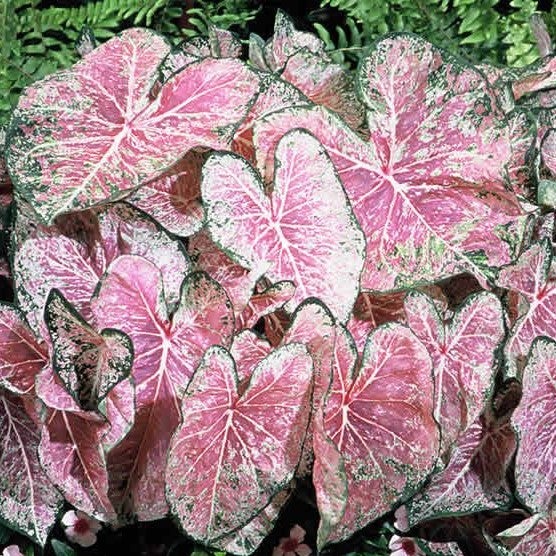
[(62, 549)]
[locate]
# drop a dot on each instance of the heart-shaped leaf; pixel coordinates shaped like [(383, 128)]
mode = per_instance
[(429, 188), (167, 349), (233, 453), (464, 357), (85, 135), (379, 416), (89, 363), (301, 238)]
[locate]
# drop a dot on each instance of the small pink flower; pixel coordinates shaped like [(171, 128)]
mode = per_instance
[(80, 528), (292, 545), (12, 550), (403, 546)]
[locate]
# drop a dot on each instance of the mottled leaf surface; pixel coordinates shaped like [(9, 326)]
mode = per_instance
[(464, 356), (429, 188), (92, 133), (475, 477), (74, 254), (88, 362), (233, 453), (379, 415), (174, 199), (300, 237), (168, 347), (21, 355), (536, 535), (531, 277), (28, 501), (535, 422), (72, 455)]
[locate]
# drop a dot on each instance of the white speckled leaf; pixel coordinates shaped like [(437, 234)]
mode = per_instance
[(379, 415), (21, 355), (531, 277), (72, 455), (92, 133), (232, 454), (89, 363), (535, 422), (73, 255), (317, 245), (264, 302), (475, 478), (430, 186), (463, 354), (167, 349), (248, 350), (28, 501), (174, 199)]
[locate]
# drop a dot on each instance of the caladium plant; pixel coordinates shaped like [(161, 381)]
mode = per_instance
[(234, 277)]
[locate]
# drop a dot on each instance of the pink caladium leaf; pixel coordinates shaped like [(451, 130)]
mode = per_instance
[(119, 409), (174, 199), (22, 356), (464, 357), (429, 188), (167, 349), (29, 502), (530, 276), (238, 281), (264, 302), (293, 231), (93, 127), (286, 41), (71, 453), (534, 535), (248, 350), (246, 540), (379, 414), (534, 420), (274, 94), (475, 477), (233, 453), (73, 255), (89, 363)]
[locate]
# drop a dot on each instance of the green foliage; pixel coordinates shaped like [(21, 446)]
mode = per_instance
[(35, 42), (475, 29), (223, 14)]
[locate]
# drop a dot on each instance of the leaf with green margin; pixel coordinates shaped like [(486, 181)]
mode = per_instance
[(93, 134), (301, 238), (29, 503), (378, 413), (235, 451), (534, 420), (429, 188), (464, 353), (89, 363)]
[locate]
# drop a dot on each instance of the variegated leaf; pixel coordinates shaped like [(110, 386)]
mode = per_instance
[(233, 453), (89, 363), (301, 238), (167, 349), (92, 134)]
